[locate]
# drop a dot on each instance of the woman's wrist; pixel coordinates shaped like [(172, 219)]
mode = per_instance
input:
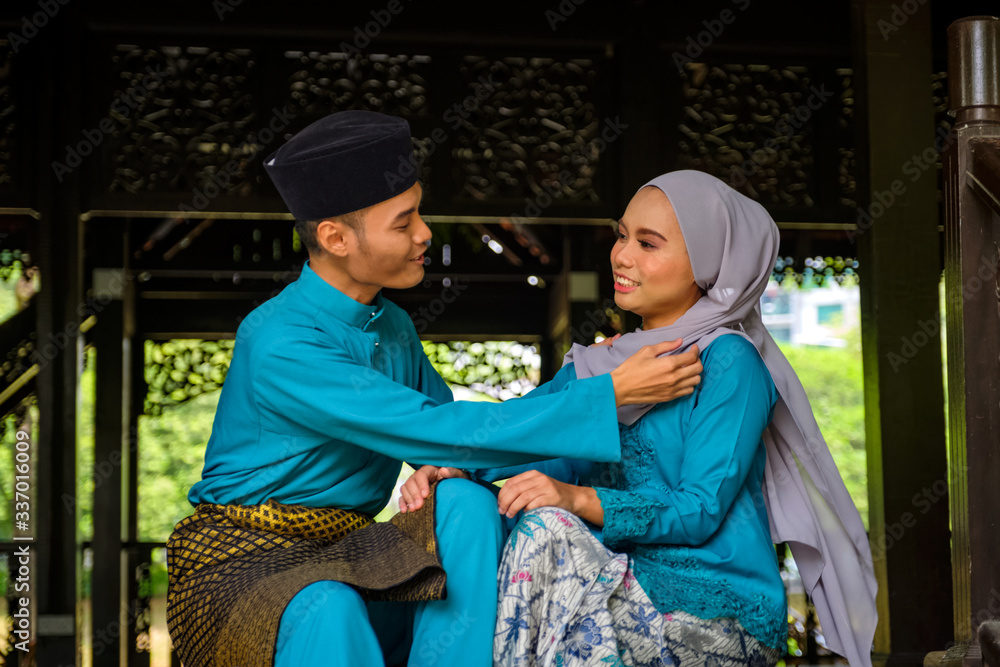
[(587, 505)]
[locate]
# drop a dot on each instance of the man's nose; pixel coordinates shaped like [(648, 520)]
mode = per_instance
[(423, 234)]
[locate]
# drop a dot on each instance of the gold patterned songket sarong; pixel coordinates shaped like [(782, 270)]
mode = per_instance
[(234, 568)]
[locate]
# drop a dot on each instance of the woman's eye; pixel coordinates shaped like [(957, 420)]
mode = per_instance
[(646, 244)]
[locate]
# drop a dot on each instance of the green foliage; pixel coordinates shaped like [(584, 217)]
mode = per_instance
[(178, 370), (8, 290), (171, 456), (502, 369), (834, 382), (85, 430)]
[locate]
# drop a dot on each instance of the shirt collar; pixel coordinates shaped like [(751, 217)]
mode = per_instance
[(331, 301)]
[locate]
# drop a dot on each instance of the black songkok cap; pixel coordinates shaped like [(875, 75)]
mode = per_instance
[(342, 163)]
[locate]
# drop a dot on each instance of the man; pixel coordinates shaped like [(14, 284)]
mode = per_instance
[(328, 391)]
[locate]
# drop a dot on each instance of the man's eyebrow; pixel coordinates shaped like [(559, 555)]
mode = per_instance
[(411, 210), (404, 214)]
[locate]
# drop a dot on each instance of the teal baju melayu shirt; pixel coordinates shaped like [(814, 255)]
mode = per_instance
[(326, 396), (324, 399)]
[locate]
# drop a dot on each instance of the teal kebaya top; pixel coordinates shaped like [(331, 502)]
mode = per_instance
[(326, 396), (685, 502)]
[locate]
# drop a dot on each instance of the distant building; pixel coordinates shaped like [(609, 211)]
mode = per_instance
[(817, 316)]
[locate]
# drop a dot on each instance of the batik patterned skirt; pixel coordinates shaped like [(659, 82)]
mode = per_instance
[(566, 600)]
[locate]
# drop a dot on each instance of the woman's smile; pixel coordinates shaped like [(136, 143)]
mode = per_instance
[(624, 284)]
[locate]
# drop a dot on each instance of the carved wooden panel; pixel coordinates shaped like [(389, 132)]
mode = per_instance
[(184, 119), (528, 128), (753, 126), (8, 126)]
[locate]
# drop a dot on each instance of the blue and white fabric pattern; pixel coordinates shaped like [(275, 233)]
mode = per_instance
[(566, 600)]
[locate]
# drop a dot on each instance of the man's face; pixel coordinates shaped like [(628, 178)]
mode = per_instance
[(392, 251)]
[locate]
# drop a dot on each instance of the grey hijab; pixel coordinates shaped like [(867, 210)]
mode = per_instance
[(732, 243)]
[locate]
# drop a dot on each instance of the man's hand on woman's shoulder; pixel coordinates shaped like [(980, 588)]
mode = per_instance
[(648, 377)]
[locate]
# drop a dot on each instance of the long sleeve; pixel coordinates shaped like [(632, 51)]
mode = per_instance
[(302, 382), (721, 440), (430, 381), (564, 470)]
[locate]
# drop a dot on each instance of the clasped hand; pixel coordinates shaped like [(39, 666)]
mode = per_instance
[(523, 492), (526, 491)]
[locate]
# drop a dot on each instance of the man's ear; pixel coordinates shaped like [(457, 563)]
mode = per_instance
[(335, 237)]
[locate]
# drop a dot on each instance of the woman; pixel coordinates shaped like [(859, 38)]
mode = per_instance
[(667, 557)]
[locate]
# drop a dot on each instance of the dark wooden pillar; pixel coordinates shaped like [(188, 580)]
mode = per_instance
[(54, 56), (649, 99), (899, 249), (111, 454), (972, 258)]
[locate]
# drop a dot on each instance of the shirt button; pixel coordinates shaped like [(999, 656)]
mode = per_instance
[(376, 344)]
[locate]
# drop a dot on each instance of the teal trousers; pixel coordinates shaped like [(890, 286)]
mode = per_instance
[(327, 623)]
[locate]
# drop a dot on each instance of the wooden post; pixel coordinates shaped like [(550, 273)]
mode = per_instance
[(110, 459), (53, 55), (899, 249), (972, 257)]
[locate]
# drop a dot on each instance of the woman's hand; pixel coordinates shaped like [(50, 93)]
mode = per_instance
[(414, 490), (534, 489)]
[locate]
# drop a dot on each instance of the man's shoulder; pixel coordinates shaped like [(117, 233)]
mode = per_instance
[(274, 317)]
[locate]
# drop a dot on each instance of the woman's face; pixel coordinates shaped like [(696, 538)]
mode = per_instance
[(652, 271)]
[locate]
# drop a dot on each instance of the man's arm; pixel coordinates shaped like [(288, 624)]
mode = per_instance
[(301, 380)]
